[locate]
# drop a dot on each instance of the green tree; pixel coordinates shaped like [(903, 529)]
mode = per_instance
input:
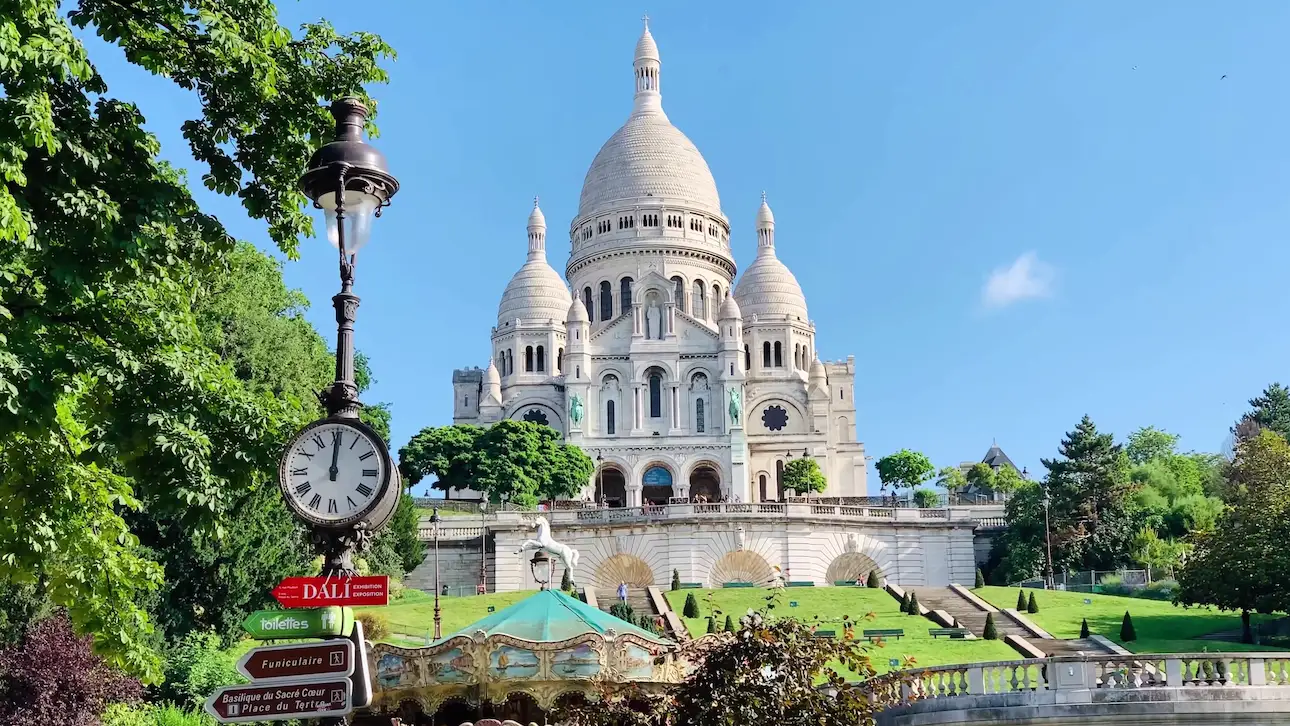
[(730, 625), (1127, 633), (1241, 564), (517, 461), (676, 580), (1008, 480), (1083, 628), (873, 580), (1149, 443), (803, 475), (691, 609), (951, 479), (1031, 605), (1089, 514), (980, 578), (712, 625), (991, 631), (904, 469), (1021, 601), (926, 498), (914, 607), (981, 476), (110, 399), (1269, 410)]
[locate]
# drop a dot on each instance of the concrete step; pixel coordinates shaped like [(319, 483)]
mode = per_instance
[(965, 613)]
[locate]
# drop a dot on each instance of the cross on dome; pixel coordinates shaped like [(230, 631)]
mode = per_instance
[(645, 19)]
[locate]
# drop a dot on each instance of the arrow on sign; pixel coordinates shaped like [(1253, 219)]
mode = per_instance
[(309, 592), (328, 658), (281, 701)]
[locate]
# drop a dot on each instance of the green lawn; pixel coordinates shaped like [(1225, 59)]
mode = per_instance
[(829, 604), (413, 614), (447, 513), (1162, 627)]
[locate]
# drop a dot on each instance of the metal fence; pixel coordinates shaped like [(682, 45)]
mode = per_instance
[(1095, 580)]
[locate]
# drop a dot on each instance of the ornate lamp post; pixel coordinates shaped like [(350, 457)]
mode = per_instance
[(483, 549), (541, 567), (1048, 544), (600, 478), (434, 520), (336, 475)]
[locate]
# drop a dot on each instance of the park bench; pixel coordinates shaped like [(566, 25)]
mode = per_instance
[(848, 583), (871, 634), (691, 585), (958, 633), (738, 584), (801, 583), (830, 634)]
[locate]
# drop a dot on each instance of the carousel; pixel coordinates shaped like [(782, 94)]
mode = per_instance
[(520, 662)]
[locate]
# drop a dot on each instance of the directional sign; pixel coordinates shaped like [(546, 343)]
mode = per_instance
[(281, 700), (292, 624), (328, 658), (312, 592)]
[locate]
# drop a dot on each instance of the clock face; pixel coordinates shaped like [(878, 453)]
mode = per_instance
[(334, 472)]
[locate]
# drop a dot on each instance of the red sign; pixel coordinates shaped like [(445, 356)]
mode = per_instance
[(312, 592), (281, 701), (328, 658)]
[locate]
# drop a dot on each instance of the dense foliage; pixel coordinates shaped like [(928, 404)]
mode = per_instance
[(123, 403), (904, 469), (768, 671), (1241, 564), (804, 476), (53, 677), (521, 462)]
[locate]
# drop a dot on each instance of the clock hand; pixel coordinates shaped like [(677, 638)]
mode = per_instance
[(335, 455)]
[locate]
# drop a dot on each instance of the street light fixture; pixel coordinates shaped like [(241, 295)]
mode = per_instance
[(350, 181), (1048, 543), (434, 520), (483, 548), (600, 478), (541, 567)]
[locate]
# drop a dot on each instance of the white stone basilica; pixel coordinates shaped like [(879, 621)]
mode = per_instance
[(676, 387)]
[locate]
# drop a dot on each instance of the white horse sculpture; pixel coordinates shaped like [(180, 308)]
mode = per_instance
[(567, 555)]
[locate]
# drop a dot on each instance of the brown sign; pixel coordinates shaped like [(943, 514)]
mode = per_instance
[(328, 658), (281, 701)]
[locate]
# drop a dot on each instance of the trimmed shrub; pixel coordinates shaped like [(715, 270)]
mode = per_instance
[(712, 626), (1031, 605), (730, 625), (566, 582), (676, 580), (691, 609), (1127, 632), (1021, 601), (196, 666), (991, 633), (1083, 628), (913, 604), (904, 604), (375, 624), (874, 580), (980, 578), (1114, 585), (1159, 590), (623, 611)]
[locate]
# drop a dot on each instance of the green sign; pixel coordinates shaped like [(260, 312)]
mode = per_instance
[(314, 623), (491, 608), (792, 603)]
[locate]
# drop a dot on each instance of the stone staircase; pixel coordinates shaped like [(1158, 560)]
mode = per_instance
[(965, 614), (637, 597)]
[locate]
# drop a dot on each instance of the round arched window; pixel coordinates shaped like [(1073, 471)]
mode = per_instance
[(774, 418), (537, 415)]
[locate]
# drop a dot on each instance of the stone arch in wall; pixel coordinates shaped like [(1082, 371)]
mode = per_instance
[(658, 482), (776, 415), (705, 481), (539, 411), (622, 568), (610, 483), (740, 566), (850, 567)]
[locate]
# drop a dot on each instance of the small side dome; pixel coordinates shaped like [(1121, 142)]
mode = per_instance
[(492, 376), (577, 313), (729, 309), (817, 370), (536, 293), (767, 289)]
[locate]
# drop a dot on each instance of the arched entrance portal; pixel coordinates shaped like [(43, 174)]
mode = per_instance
[(851, 567), (656, 485), (740, 566), (613, 486), (622, 568), (705, 484)]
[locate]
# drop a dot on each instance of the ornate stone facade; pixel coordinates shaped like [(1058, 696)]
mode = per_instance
[(677, 387)]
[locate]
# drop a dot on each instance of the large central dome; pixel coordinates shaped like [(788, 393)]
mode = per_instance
[(648, 156)]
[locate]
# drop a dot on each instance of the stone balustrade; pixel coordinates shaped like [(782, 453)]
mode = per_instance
[(1074, 688), (425, 532)]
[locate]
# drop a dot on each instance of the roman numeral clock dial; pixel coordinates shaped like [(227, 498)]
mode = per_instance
[(335, 472)]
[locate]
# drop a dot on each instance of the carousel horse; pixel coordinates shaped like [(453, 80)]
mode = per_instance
[(567, 555)]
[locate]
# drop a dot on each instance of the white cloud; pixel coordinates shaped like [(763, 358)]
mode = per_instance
[(1025, 279)]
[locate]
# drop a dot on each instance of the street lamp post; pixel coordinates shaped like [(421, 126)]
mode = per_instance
[(483, 548), (541, 568), (350, 181), (1048, 544), (600, 478), (435, 519)]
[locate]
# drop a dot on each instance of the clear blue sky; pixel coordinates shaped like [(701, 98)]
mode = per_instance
[(909, 150)]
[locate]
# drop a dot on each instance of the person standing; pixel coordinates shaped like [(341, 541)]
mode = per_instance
[(622, 592)]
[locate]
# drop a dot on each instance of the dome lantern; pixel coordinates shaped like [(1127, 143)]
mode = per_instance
[(537, 293)]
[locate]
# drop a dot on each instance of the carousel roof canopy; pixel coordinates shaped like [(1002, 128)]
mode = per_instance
[(550, 616)]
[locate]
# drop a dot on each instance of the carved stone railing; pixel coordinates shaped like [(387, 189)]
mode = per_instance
[(991, 522), (1092, 673), (425, 533)]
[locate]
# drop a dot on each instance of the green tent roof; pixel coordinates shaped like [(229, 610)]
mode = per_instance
[(550, 616)]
